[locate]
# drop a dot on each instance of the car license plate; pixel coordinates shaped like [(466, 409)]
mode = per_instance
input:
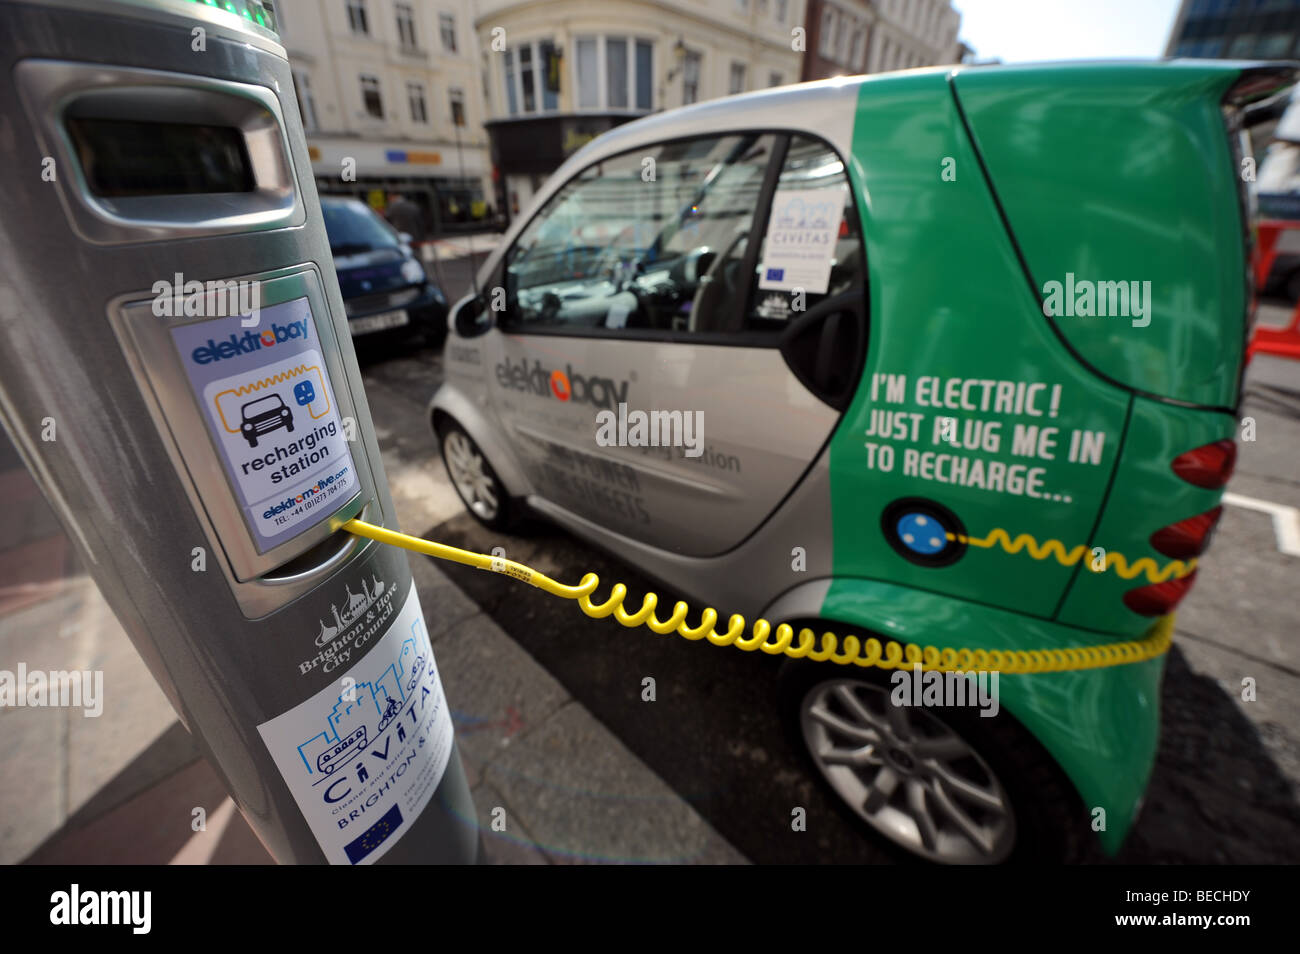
[(379, 322)]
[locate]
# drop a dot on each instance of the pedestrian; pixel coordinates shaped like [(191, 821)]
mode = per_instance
[(405, 216)]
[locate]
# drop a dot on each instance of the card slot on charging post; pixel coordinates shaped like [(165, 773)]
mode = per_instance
[(333, 551), (156, 156)]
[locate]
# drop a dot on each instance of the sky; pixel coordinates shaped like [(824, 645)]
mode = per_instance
[(1020, 31)]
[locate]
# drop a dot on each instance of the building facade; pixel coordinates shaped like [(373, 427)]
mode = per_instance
[(557, 73), (1236, 30), (467, 106), (876, 36), (391, 101)]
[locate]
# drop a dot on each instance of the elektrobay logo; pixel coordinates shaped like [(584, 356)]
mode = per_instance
[(562, 385), (248, 342)]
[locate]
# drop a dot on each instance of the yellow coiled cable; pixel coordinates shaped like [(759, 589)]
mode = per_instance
[(857, 652)]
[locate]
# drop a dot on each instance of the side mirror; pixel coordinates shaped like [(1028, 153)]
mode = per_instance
[(472, 317)]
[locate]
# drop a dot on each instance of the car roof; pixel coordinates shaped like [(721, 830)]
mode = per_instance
[(340, 200), (827, 108), (822, 105)]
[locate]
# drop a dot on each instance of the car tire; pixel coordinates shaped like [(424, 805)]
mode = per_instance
[(1046, 819), (476, 483)]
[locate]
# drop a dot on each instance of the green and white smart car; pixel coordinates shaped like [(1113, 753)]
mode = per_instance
[(947, 356)]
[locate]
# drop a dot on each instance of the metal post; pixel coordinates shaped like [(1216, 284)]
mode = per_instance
[(178, 375)]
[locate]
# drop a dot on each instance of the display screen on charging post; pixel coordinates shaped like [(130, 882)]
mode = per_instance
[(266, 396)]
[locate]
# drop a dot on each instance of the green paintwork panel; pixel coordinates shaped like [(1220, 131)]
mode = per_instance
[(1147, 496), (949, 302), (1124, 173), (1101, 725)]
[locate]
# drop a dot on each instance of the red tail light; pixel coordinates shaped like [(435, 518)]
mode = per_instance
[(1208, 466), (1186, 538), (1158, 598)]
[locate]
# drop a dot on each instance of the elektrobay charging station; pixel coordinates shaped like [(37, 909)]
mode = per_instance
[(202, 444)]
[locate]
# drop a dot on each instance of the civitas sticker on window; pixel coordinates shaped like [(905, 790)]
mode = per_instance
[(802, 233)]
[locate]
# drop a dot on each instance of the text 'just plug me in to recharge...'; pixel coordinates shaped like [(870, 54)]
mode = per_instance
[(920, 382)]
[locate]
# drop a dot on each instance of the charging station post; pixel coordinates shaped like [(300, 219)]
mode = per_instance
[(179, 378)]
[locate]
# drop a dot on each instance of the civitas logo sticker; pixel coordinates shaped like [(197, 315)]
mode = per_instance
[(364, 755), (347, 628), (345, 731)]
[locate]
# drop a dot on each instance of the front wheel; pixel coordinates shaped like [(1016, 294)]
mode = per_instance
[(942, 783), (476, 483)]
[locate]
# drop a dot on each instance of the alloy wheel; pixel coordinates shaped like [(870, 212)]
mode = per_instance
[(907, 774), (470, 474)]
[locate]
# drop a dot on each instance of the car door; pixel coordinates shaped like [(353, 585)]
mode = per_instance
[(684, 324)]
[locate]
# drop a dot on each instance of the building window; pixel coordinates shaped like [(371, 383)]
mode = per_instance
[(511, 98), (1241, 46), (405, 26), (357, 16), (826, 42), (588, 74), (548, 66), (615, 72), (1274, 46), (370, 96), (457, 97), (527, 81), (842, 41), (306, 101), (779, 10), (415, 96), (535, 85), (447, 28), (737, 82), (775, 79), (691, 77), (644, 73)]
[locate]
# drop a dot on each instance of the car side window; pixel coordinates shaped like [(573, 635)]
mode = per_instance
[(812, 246), (650, 240)]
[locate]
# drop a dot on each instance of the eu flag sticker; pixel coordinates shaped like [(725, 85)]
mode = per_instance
[(374, 836), (776, 274)]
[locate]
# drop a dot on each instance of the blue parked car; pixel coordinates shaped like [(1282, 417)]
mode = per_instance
[(384, 285)]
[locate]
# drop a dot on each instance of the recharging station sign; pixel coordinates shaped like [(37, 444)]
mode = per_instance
[(270, 408)]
